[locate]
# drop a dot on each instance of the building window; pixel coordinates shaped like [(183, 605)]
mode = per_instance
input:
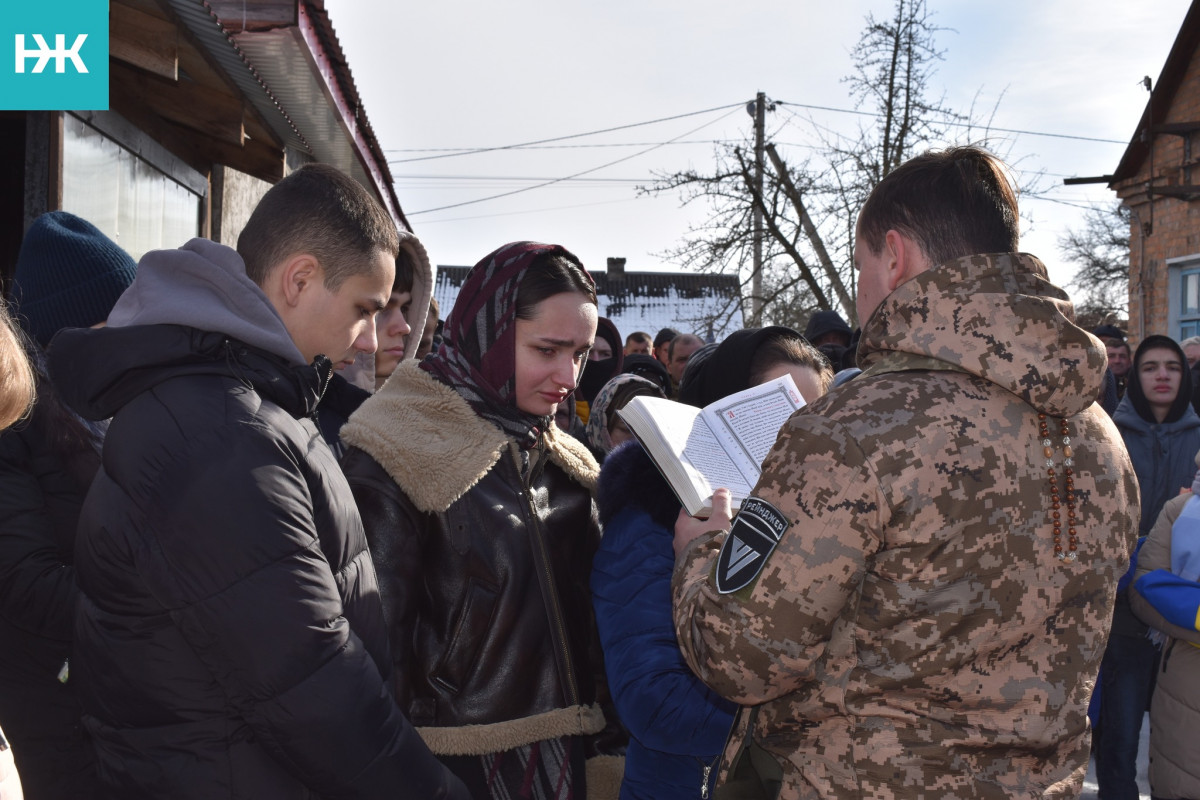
[(140, 207), (1183, 288)]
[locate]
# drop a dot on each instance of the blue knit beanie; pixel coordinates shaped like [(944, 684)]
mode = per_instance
[(69, 275)]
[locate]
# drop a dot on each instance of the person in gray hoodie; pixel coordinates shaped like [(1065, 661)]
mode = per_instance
[(229, 639)]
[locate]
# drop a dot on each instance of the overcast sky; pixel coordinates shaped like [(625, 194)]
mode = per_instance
[(471, 74)]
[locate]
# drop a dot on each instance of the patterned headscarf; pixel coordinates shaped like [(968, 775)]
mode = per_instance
[(612, 398), (478, 356)]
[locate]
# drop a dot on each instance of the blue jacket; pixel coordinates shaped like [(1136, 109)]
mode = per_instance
[(1163, 456), (678, 726)]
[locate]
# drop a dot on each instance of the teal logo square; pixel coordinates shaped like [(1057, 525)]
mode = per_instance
[(54, 55)]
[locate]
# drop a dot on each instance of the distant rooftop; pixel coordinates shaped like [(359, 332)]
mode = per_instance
[(705, 304)]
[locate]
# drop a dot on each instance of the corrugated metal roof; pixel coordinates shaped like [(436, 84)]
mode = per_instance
[(282, 75), (708, 305), (205, 26), (282, 59)]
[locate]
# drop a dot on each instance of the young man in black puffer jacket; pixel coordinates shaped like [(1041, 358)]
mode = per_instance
[(230, 638)]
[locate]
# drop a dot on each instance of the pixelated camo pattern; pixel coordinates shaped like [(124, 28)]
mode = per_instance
[(912, 635)]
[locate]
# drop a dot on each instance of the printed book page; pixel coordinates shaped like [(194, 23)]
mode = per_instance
[(721, 446), (747, 423), (682, 444)]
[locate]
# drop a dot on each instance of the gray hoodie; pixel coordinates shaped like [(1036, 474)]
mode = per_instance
[(204, 285)]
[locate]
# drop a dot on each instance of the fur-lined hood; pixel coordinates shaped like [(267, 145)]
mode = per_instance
[(435, 447)]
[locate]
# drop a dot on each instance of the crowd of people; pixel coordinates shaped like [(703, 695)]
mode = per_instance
[(274, 525)]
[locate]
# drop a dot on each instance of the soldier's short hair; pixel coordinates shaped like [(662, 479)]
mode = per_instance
[(953, 203), (321, 211)]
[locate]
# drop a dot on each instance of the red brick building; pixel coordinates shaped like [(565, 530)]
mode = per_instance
[(1158, 179)]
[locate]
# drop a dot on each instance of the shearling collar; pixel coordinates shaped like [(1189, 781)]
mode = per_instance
[(435, 447)]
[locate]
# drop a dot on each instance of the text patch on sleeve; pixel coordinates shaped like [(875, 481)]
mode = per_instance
[(756, 531)]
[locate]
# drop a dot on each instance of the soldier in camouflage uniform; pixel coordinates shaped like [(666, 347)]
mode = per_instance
[(896, 604)]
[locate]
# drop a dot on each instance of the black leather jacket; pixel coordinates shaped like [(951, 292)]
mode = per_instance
[(485, 587), (486, 601)]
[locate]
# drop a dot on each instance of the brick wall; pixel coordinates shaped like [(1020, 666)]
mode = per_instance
[(1173, 223)]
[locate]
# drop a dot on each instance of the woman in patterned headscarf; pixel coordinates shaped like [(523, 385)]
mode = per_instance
[(605, 430), (480, 516)]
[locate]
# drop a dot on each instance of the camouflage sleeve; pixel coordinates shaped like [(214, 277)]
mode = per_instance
[(754, 617)]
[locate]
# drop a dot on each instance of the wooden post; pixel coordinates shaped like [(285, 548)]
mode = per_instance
[(814, 236)]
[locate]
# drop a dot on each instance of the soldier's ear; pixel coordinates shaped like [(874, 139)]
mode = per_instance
[(905, 258)]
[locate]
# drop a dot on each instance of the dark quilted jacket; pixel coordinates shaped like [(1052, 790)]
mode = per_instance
[(230, 639)]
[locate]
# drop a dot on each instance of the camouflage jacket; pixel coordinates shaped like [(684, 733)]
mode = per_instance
[(911, 633)]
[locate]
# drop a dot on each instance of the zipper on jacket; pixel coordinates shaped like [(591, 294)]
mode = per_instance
[(324, 368), (708, 768), (1166, 656), (551, 587)]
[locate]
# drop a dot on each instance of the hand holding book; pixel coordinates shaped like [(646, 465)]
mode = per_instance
[(721, 445), (689, 528)]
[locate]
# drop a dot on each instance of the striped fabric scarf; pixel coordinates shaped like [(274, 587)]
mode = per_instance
[(478, 355), (552, 769)]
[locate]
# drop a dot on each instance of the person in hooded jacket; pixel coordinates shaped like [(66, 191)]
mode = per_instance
[(677, 725), (1161, 431), (229, 639), (68, 275), (398, 330), (604, 363), (913, 600), (479, 513)]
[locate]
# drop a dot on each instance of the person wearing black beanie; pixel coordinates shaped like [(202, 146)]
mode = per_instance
[(68, 275), (1161, 431)]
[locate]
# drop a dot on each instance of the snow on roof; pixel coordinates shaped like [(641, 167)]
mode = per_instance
[(707, 305)]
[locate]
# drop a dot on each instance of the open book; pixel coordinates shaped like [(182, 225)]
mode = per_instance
[(699, 450)]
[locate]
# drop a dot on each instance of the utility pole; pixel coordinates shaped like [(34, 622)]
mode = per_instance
[(756, 298), (814, 236)]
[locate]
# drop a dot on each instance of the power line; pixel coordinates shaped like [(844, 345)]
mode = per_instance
[(462, 151), (532, 211), (951, 124), (572, 136), (576, 175), (513, 178)]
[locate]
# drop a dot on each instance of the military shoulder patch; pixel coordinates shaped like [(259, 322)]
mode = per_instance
[(756, 531)]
